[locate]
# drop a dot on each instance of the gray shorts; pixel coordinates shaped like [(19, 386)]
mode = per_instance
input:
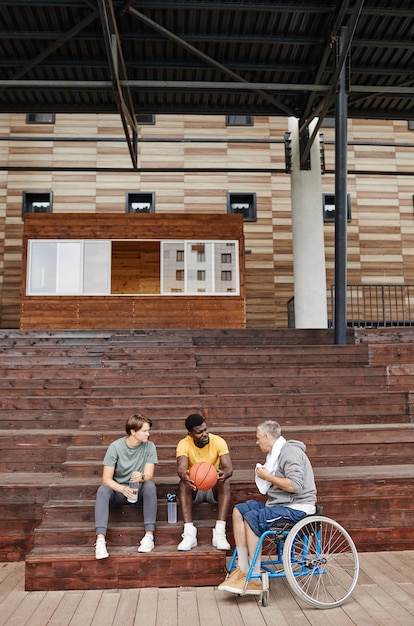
[(204, 496)]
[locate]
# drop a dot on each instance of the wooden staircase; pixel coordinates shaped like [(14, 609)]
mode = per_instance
[(64, 396)]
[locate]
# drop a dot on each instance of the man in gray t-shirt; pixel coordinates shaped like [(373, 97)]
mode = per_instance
[(126, 460), (130, 458)]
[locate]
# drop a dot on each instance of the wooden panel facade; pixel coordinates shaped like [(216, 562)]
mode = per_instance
[(191, 163), (136, 270)]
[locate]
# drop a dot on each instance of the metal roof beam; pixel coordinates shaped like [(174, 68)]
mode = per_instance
[(171, 64), (221, 5), (327, 54), (261, 7), (118, 76), (271, 40), (376, 44), (47, 3), (233, 6), (165, 84), (209, 60), (57, 85), (327, 101)]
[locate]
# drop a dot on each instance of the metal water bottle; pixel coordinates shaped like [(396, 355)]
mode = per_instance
[(172, 508)]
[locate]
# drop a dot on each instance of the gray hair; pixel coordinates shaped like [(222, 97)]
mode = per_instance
[(270, 427)]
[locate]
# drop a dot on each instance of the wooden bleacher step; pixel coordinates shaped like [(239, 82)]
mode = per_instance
[(125, 568), (65, 395), (342, 445), (65, 540)]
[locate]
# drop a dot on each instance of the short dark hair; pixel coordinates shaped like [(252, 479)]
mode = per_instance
[(136, 422), (193, 420)]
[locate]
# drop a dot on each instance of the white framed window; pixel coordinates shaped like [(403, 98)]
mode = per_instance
[(200, 267), (68, 267), (72, 267), (97, 267)]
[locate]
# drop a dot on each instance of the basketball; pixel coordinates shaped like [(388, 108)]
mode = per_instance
[(204, 475)]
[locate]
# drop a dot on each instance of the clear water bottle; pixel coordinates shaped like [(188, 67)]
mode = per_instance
[(172, 508)]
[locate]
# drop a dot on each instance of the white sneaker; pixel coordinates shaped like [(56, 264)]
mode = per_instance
[(146, 544), (100, 549), (220, 540), (189, 540)]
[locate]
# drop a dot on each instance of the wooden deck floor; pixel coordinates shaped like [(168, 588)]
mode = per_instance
[(384, 595)]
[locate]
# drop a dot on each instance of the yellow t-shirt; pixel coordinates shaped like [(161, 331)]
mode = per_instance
[(210, 453)]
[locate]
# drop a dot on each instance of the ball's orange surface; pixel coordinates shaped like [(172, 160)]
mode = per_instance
[(204, 475)]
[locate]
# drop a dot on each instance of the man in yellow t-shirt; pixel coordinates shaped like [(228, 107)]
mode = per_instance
[(200, 445)]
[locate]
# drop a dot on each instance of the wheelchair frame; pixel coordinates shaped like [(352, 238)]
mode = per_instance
[(316, 555)]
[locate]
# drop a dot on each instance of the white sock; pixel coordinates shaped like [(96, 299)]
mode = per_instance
[(221, 526), (188, 526), (243, 559)]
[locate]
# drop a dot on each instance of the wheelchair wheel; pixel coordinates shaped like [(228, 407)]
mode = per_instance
[(321, 562)]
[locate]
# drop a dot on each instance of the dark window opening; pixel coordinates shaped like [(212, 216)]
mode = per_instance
[(145, 118), (244, 204), (239, 120), (40, 118), (328, 207), (37, 202), (140, 202)]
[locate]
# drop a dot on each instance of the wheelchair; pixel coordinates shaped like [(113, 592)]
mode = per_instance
[(316, 555)]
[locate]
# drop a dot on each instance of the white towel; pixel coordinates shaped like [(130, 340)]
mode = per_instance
[(270, 464)]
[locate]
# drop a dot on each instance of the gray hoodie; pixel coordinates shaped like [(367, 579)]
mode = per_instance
[(295, 465)]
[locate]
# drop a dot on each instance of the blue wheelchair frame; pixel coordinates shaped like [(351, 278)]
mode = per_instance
[(313, 545)]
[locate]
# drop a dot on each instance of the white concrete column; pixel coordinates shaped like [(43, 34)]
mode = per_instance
[(308, 236)]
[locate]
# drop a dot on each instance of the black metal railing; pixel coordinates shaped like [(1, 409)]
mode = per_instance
[(377, 304), (370, 305)]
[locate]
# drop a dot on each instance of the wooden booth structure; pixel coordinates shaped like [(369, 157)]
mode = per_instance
[(83, 271)]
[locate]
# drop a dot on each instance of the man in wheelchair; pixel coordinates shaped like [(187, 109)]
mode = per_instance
[(287, 479)]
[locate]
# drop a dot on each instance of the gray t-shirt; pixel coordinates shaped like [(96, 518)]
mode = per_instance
[(127, 460)]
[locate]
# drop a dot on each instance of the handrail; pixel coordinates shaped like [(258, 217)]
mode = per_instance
[(371, 305), (378, 304)]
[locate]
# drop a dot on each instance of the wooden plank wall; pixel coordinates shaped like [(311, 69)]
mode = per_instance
[(130, 276), (93, 173), (134, 311)]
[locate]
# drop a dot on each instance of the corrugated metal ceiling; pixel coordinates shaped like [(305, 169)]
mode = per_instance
[(224, 57)]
